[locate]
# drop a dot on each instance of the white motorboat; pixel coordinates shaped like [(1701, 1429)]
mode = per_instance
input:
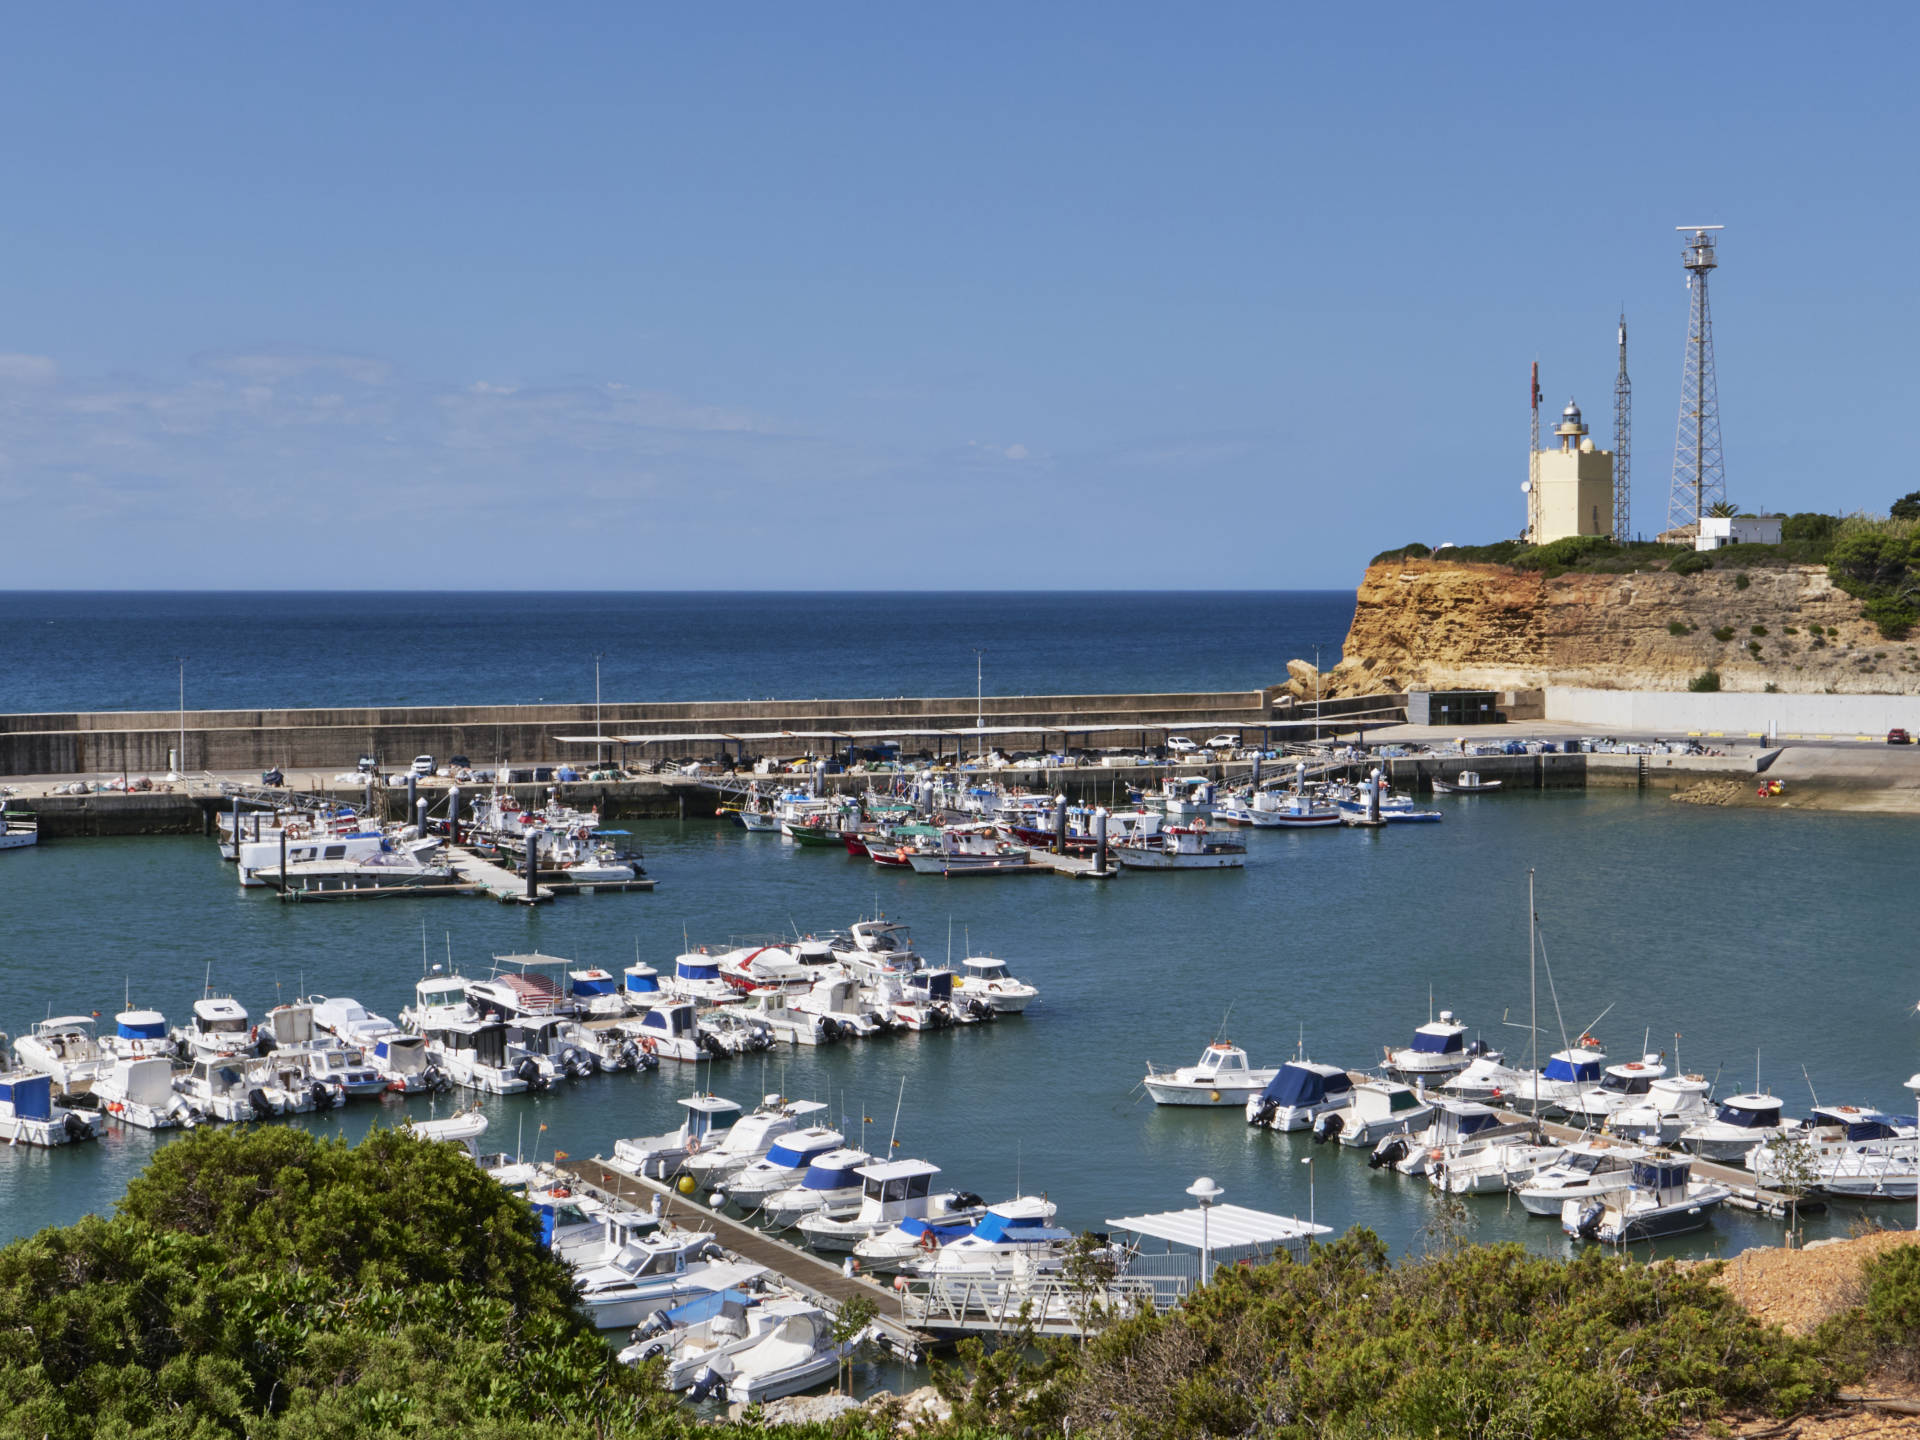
[(974, 850), (471, 1052), (840, 1000), (1183, 847), (65, 1048), (783, 1166), (1741, 1123), (607, 1045), (1300, 1092), (1290, 810), (700, 1333), (786, 967), (1451, 1124), (30, 1115), (696, 978), (656, 1272), (914, 1242), (18, 829), (595, 994), (1569, 1074), (669, 1032), (748, 1139), (346, 1071), (736, 1032), (1011, 1245), (1221, 1076), (1490, 1164), (797, 1352), (259, 861), (407, 1065), (1589, 1170), (1620, 1086), (640, 988), (832, 1186), (780, 1014), (220, 1026), (1379, 1108), (241, 1087), (1465, 782), (1846, 1151), (467, 1125), (660, 1157), (1440, 1050), (533, 986), (1672, 1104), (987, 979), (1661, 1199), (544, 1040), (138, 1090), (348, 1021), (894, 1190)]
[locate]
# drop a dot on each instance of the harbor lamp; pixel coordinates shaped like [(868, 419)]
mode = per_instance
[(1206, 1192), (1308, 1162)]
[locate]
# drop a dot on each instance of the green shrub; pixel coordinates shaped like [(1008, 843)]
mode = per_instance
[(1740, 581), (1415, 551), (1705, 683), (1723, 634), (1907, 507), (1753, 648), (1773, 689), (1568, 550), (1808, 527), (1678, 627), (1691, 563), (1757, 629), (1789, 630)]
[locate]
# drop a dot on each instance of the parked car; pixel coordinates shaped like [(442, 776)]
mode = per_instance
[(367, 764), (1224, 742), (1181, 745), (272, 777), (423, 764), (1897, 736)]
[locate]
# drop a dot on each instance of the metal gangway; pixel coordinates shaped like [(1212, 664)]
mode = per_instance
[(1053, 1305)]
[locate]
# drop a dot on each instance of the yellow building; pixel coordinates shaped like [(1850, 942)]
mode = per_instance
[(1572, 485)]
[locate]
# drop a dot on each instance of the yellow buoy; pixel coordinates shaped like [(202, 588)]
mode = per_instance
[(1214, 1095), (686, 1184)]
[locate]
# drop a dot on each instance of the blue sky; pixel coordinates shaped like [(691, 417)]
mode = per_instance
[(843, 297)]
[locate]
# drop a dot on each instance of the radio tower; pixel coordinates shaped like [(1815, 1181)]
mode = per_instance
[(1699, 474), (1622, 446)]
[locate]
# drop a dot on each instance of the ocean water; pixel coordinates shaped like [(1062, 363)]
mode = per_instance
[(1743, 940), (119, 650)]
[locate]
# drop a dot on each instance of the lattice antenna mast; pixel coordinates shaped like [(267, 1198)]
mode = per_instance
[(1699, 472), (1533, 461), (1622, 447)]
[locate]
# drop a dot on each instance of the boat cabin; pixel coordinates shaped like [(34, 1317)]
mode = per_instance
[(537, 1035), (1862, 1125), (707, 1115), (1457, 1120), (1574, 1067), (698, 965), (1221, 1060), (220, 1018), (1749, 1112), (402, 1054), (896, 1188), (669, 1021), (140, 1028), (929, 987), (641, 980), (800, 1149), (1440, 1037), (1633, 1078), (835, 1170), (440, 992), (587, 986), (485, 1041), (985, 967), (292, 1026), (1663, 1178), (26, 1095), (522, 985)]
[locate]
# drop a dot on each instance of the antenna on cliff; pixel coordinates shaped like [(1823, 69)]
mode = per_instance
[(1622, 445), (1699, 470), (1532, 487)]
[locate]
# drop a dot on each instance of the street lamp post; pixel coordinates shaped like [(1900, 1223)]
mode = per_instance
[(180, 759), (598, 753), (979, 703), (1308, 1162), (1206, 1192)]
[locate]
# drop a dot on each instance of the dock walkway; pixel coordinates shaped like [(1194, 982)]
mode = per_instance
[(498, 881), (820, 1280)]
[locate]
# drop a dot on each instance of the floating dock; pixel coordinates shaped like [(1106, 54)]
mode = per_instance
[(496, 880), (820, 1280)]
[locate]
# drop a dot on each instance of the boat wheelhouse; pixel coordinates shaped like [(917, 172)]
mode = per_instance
[(1741, 1122), (1221, 1076), (1439, 1050), (1662, 1198)]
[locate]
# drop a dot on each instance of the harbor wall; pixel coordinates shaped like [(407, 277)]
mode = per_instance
[(107, 742), (1684, 713)]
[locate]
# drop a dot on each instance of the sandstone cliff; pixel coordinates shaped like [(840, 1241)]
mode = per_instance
[(1452, 626)]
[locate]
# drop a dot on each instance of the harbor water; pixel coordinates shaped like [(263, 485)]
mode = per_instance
[(1740, 938)]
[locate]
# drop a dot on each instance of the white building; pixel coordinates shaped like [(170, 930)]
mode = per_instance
[(1717, 531), (1575, 485)]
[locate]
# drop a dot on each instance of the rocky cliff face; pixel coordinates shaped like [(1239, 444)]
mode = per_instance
[(1485, 627)]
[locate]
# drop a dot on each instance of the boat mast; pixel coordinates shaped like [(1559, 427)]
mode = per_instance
[(1533, 998)]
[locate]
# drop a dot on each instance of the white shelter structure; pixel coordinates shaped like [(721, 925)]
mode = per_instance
[(1223, 1234)]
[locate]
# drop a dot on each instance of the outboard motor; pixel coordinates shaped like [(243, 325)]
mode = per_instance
[(703, 1383), (438, 1080), (647, 1061), (1390, 1151), (1264, 1115), (967, 1200), (829, 1028), (980, 1009), (658, 1347), (76, 1128), (655, 1324), (1328, 1126), (629, 1055), (262, 1107), (1589, 1220), (710, 1043), (322, 1096), (529, 1070), (577, 1062)]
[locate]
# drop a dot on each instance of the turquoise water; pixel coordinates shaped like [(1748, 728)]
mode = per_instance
[(1786, 935)]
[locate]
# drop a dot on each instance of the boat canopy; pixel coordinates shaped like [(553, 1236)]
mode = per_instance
[(1300, 1082), (831, 1177), (705, 1307), (642, 980), (1437, 1039), (30, 1095), (1578, 1067), (916, 1227), (797, 1155), (1022, 1229), (1749, 1114), (690, 967), (591, 982), (140, 1025)]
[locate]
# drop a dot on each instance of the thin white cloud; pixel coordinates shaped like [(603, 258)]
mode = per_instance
[(28, 369), (272, 367)]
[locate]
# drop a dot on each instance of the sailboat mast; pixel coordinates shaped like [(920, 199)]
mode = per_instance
[(1533, 998)]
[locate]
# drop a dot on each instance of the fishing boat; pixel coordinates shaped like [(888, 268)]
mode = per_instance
[(18, 829), (1182, 847), (1661, 1198), (1186, 799), (220, 1026), (1741, 1123), (65, 1048), (1379, 1108), (1589, 1170), (832, 1185), (797, 1352), (1290, 810), (1491, 1163), (659, 1157), (892, 1191), (29, 1114), (1672, 1104), (656, 1272), (986, 978), (783, 1166), (669, 1032), (974, 850), (138, 1090), (1620, 1086), (470, 1050), (1452, 1123), (1440, 1049), (1465, 782), (748, 1139), (1299, 1094), (1221, 1076)]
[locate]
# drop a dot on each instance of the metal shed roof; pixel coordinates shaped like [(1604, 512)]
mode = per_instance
[(1227, 1226)]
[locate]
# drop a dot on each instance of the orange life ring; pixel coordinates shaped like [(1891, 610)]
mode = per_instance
[(561, 1192), (649, 1044), (927, 1242)]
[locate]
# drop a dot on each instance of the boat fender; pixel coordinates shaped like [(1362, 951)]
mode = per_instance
[(900, 1282)]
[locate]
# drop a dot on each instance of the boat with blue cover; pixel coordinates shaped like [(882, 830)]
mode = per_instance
[(29, 1114), (1300, 1094), (1440, 1049), (832, 1186), (784, 1165)]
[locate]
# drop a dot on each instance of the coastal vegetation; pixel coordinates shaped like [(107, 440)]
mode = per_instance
[(269, 1283)]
